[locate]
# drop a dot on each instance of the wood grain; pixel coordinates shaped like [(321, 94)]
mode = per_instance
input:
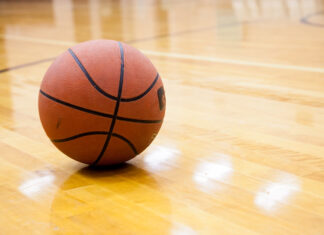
[(241, 150)]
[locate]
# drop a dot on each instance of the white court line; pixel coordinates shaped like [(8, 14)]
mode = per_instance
[(230, 61), (38, 40), (179, 56)]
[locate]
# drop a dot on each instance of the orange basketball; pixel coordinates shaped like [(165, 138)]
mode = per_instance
[(101, 102)]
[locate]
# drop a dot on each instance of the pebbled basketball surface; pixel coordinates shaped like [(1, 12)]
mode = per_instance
[(102, 102)]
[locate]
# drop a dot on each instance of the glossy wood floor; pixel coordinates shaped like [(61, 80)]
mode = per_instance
[(241, 150)]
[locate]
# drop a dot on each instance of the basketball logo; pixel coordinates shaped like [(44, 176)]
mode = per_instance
[(161, 97)]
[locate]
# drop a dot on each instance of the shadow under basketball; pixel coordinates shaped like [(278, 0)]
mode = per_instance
[(108, 198)]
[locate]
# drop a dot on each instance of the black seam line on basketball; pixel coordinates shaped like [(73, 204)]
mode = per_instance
[(106, 115), (95, 85), (127, 141), (89, 77), (144, 93), (96, 133), (75, 106), (80, 135), (113, 121), (138, 120)]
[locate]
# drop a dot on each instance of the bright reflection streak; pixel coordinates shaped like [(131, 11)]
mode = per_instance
[(218, 168), (274, 194), (161, 158), (180, 229), (36, 184)]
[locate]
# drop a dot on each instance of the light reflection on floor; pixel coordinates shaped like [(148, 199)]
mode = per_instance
[(208, 172), (37, 184), (274, 194), (180, 229), (160, 158)]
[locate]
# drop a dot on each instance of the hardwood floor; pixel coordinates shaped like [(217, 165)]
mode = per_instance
[(241, 150)]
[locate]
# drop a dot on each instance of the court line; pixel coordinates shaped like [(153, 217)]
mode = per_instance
[(305, 19), (70, 43), (166, 54), (34, 40), (186, 32), (232, 61), (38, 40), (198, 58), (27, 64)]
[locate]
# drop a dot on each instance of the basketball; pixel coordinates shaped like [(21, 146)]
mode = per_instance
[(101, 102)]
